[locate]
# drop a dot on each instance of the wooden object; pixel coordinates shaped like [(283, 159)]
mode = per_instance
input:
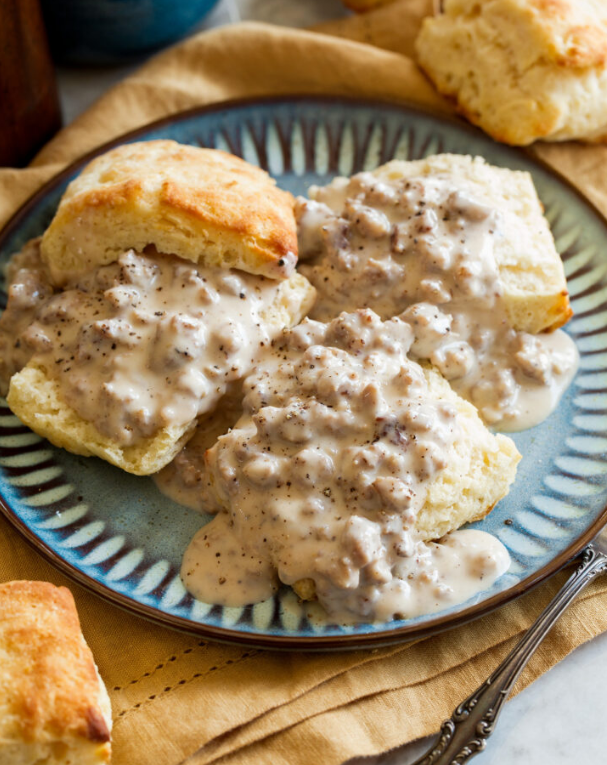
[(29, 104)]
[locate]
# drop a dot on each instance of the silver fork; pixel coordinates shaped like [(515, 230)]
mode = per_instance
[(465, 733)]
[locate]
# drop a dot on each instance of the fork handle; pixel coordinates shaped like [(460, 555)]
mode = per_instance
[(465, 734)]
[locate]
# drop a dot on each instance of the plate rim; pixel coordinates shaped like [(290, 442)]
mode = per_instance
[(266, 640)]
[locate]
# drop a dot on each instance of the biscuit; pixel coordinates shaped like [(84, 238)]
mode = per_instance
[(346, 455), (362, 6), (530, 268), (481, 469), (54, 707), (36, 400), (35, 397), (522, 70), (479, 474), (203, 205)]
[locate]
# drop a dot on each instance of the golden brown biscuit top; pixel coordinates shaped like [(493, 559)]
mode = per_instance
[(204, 205), (571, 33), (49, 686), (209, 184), (575, 31)]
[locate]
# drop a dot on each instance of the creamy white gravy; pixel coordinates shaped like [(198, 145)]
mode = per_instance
[(423, 249), (147, 342), (322, 479), (186, 478)]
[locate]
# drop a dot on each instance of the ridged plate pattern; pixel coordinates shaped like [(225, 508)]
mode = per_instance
[(120, 536)]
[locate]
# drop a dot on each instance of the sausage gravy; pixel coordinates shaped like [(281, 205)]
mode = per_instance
[(186, 478), (423, 249), (146, 342), (324, 474)]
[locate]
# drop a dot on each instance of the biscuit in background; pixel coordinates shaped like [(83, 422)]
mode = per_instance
[(362, 6), (54, 708), (522, 70)]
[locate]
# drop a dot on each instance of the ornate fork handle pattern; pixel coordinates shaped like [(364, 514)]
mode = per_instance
[(465, 734)]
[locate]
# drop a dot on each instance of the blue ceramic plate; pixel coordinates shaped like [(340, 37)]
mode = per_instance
[(116, 534)]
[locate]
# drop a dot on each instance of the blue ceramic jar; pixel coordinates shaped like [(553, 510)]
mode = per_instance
[(114, 31)]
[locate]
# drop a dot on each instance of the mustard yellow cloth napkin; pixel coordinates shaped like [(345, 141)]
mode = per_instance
[(179, 699)]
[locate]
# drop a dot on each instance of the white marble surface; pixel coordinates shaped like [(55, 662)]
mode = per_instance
[(558, 720)]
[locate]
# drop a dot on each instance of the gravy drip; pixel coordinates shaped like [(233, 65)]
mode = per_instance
[(323, 476), (423, 249), (28, 288), (186, 479), (147, 342)]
